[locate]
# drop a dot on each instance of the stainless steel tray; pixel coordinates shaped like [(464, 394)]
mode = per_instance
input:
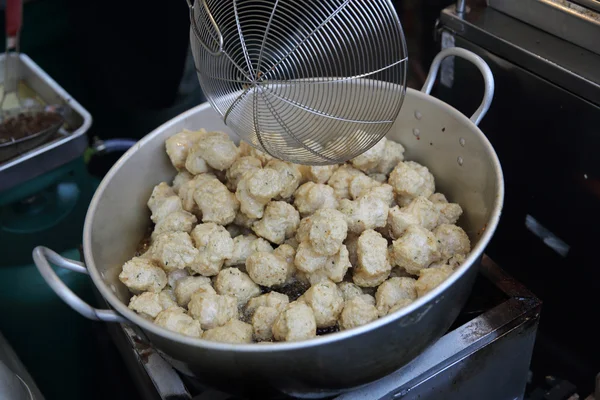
[(69, 143), (565, 19)]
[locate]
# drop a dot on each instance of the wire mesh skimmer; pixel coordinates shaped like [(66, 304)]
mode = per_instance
[(308, 81)]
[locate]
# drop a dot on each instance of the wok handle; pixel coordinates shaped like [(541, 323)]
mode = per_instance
[(42, 257), (485, 70)]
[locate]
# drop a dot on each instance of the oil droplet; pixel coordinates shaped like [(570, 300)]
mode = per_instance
[(418, 115), (460, 160), (416, 132), (462, 141)]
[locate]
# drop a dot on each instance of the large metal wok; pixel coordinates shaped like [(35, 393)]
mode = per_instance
[(435, 134)]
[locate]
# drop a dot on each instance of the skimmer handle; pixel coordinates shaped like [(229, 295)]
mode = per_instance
[(14, 19), (488, 77), (196, 31)]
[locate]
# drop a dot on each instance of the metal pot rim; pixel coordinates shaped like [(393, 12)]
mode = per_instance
[(130, 315)]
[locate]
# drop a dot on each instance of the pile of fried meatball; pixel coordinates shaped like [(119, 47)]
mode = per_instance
[(248, 248)]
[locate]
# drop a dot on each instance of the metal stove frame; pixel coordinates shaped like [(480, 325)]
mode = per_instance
[(486, 358)]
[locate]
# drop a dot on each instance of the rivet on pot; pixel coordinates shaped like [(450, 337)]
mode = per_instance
[(416, 132), (462, 141), (418, 115), (460, 160)]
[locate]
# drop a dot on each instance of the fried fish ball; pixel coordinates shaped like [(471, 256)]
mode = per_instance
[(319, 173), (392, 291), (373, 264), (175, 319), (289, 175), (216, 202), (214, 246), (279, 222), (244, 221), (187, 190), (293, 242), (307, 259), (234, 331), (430, 278), (425, 212), (247, 150), (173, 250), (303, 231), (176, 275), (384, 192), (361, 185), (352, 246), (420, 211), (341, 178), (370, 159), (239, 168), (262, 323), (393, 153), (217, 149), (233, 282), (181, 179), (187, 286), (162, 202), (452, 240), (381, 178), (326, 301), (357, 312), (328, 230), (296, 322), (272, 299), (178, 221), (334, 270), (399, 220), (256, 189), (196, 164), (415, 249), (311, 197), (211, 309), (287, 253), (449, 212), (349, 290), (245, 245), (410, 179), (150, 304), (267, 269), (367, 212), (168, 206), (179, 145)]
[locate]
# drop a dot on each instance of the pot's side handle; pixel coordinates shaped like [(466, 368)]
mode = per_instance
[(485, 70), (42, 257)]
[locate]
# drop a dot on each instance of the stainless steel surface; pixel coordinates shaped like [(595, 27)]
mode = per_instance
[(571, 67), (543, 107), (485, 358), (435, 134), (312, 82), (591, 4), (581, 27), (14, 378), (70, 141), (12, 149)]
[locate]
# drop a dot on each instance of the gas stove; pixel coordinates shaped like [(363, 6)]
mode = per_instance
[(485, 355)]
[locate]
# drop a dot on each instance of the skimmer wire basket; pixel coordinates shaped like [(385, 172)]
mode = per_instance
[(313, 82)]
